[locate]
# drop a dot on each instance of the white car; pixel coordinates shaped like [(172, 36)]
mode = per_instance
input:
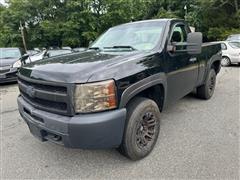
[(47, 54), (36, 57), (230, 53), (234, 37)]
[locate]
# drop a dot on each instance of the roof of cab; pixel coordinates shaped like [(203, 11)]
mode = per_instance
[(149, 20)]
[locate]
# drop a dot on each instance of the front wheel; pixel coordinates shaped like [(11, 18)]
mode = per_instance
[(142, 128), (206, 91), (225, 61)]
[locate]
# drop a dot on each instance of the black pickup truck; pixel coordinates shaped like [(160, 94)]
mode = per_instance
[(111, 95)]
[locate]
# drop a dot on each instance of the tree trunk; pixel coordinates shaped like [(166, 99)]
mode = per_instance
[(23, 37)]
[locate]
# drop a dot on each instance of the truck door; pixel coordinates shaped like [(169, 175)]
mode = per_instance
[(182, 68)]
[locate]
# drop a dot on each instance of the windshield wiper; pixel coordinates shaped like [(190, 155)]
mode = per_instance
[(121, 47)]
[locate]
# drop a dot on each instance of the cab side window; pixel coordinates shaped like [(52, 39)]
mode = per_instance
[(179, 34)]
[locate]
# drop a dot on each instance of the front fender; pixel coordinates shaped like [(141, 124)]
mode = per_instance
[(136, 88)]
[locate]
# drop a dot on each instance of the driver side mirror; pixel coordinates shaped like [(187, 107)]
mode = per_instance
[(193, 45)]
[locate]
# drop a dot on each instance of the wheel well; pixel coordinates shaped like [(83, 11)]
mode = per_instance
[(216, 66), (155, 93), (226, 57)]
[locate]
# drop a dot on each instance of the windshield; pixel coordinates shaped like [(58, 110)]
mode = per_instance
[(235, 45), (9, 53), (135, 36), (58, 52)]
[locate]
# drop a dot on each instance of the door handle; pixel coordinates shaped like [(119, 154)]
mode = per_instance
[(193, 59)]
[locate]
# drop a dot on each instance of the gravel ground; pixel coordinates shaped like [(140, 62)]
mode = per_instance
[(198, 140)]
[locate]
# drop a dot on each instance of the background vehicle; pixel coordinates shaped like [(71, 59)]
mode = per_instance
[(67, 47), (57, 52), (80, 49), (32, 52), (9, 64), (47, 53), (230, 53), (234, 37), (111, 95), (37, 57)]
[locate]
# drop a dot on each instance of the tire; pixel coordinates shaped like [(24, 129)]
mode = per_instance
[(206, 91), (225, 61), (142, 128)]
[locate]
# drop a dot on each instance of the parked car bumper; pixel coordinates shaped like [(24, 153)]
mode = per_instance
[(235, 59), (10, 76), (88, 131)]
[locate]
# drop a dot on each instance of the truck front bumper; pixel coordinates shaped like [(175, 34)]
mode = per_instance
[(87, 131)]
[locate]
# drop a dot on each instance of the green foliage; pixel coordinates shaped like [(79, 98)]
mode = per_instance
[(162, 13), (76, 22), (221, 33)]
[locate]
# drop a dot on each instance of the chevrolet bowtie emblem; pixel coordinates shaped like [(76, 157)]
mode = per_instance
[(31, 91)]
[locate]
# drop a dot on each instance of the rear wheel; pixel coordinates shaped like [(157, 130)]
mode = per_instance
[(225, 61), (142, 128), (206, 91)]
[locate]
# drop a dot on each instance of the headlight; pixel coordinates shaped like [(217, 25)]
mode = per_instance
[(17, 64), (93, 97)]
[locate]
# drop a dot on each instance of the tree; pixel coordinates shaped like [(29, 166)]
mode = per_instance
[(76, 22)]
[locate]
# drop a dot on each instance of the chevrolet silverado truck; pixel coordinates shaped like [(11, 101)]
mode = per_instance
[(112, 95)]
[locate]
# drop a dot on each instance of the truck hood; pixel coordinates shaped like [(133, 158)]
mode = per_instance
[(7, 62), (77, 67)]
